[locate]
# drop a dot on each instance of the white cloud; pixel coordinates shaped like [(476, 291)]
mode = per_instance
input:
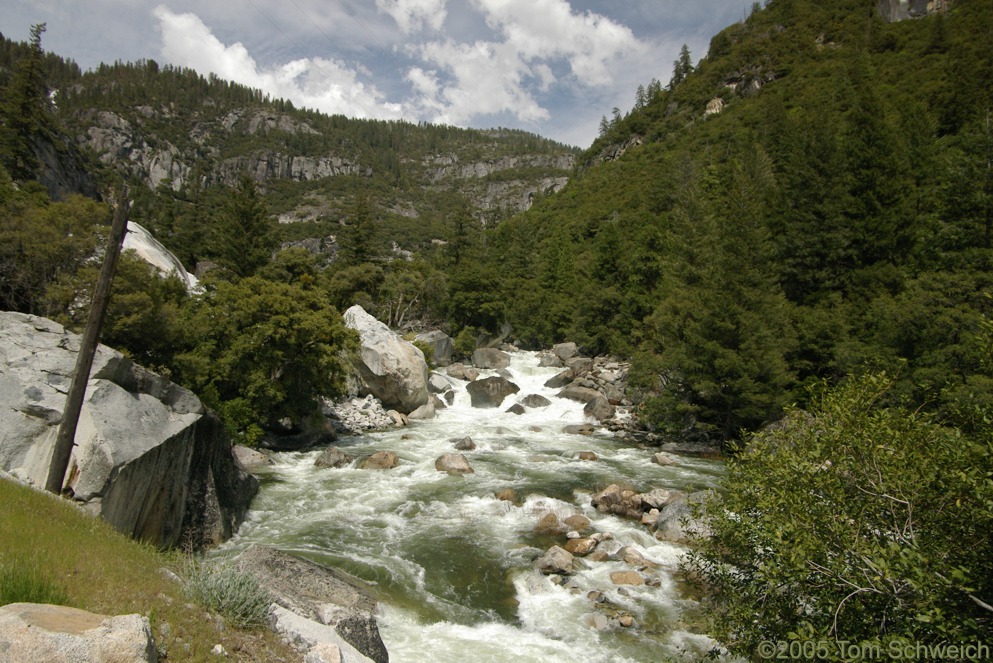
[(412, 15), (549, 29), (323, 84)]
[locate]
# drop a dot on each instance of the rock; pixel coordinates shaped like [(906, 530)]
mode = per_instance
[(549, 360), (517, 409), (388, 367), (490, 392), (578, 429), (597, 621), (438, 384), (219, 650), (59, 634), (632, 556), (250, 459), (579, 365), (308, 592), (441, 345), (423, 413), (154, 253), (560, 379), (398, 418), (625, 620), (657, 498), (465, 444), (323, 652), (333, 457), (506, 495), (453, 464), (616, 500), (490, 358), (677, 522), (578, 522), (149, 457), (462, 372), (565, 351), (534, 401), (550, 524), (588, 455), (664, 459), (581, 546), (576, 393), (557, 560), (381, 460), (627, 578), (651, 518), (599, 408), (359, 415)]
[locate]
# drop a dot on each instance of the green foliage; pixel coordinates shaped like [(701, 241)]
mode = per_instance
[(234, 595), (244, 237), (23, 581), (864, 522), (263, 350), (41, 241), (24, 112)]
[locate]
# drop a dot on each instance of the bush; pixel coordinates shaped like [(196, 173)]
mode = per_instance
[(23, 581), (858, 522), (234, 595)]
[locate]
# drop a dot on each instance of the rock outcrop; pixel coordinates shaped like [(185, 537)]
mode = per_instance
[(490, 392), (58, 634), (322, 595), (388, 367), (149, 457)]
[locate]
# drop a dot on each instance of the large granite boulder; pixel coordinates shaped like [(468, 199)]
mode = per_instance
[(149, 457), (490, 358), (441, 345), (388, 367), (58, 634), (318, 593), (490, 392)]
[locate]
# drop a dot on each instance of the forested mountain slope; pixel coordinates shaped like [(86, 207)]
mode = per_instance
[(812, 199)]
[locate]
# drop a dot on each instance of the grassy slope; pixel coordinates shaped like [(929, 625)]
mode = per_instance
[(101, 570)]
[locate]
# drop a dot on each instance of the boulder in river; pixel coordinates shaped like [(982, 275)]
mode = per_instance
[(381, 460), (388, 367), (534, 401), (555, 561), (490, 358), (333, 457), (441, 345), (453, 464), (491, 391), (465, 444), (560, 379)]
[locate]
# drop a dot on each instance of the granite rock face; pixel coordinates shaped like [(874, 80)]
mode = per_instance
[(149, 457), (388, 367)]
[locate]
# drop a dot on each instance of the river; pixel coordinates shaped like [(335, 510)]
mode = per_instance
[(452, 565)]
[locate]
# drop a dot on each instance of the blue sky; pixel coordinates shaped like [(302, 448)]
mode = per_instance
[(554, 67)]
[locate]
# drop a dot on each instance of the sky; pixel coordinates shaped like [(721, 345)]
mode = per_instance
[(552, 67)]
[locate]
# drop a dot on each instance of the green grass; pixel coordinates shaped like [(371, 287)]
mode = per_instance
[(51, 552), (22, 581)]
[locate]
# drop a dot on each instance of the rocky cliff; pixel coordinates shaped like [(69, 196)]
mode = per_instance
[(149, 457)]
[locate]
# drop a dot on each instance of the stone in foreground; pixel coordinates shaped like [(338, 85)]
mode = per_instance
[(58, 634)]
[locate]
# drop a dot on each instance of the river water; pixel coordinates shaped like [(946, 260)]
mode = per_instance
[(452, 565)]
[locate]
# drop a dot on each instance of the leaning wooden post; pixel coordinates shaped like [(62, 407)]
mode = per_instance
[(87, 349)]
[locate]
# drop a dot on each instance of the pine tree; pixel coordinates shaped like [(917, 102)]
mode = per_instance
[(25, 112), (244, 235), (682, 67)]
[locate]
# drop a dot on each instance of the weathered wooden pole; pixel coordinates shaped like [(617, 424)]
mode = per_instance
[(87, 349)]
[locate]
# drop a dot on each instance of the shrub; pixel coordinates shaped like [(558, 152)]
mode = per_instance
[(234, 595), (859, 523)]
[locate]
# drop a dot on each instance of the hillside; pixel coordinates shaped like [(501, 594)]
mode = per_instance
[(810, 200), (181, 139)]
